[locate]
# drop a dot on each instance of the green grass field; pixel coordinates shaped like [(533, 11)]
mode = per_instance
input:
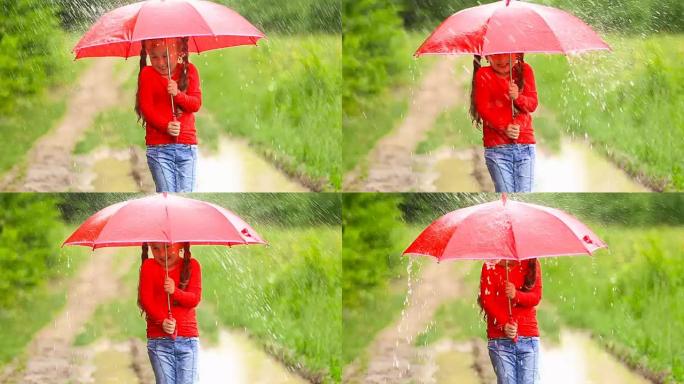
[(285, 97), (287, 297)]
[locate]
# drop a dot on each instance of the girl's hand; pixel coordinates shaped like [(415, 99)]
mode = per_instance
[(173, 128), (169, 326), (513, 91), (513, 131), (169, 286), (172, 88), (511, 330), (510, 290)]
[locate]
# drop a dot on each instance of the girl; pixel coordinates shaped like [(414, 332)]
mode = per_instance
[(509, 141), (170, 136), (513, 339), (172, 338)]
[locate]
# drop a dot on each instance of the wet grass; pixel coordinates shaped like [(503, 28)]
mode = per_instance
[(284, 96), (452, 129), (286, 296), (37, 306), (629, 102), (116, 127), (379, 114)]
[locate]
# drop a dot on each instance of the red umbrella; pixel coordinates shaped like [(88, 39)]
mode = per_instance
[(508, 230), (163, 218), (208, 25), (510, 27)]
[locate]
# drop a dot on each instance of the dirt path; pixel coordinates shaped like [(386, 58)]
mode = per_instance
[(391, 161), (51, 356), (50, 162), (393, 357)]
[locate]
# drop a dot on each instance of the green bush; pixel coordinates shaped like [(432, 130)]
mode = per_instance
[(30, 56), (372, 40), (27, 244), (370, 239)]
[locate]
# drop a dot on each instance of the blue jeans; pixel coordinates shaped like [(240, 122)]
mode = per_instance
[(515, 363), (511, 167), (173, 166), (174, 361)]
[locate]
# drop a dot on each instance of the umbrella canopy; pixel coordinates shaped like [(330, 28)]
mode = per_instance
[(511, 27), (208, 25), (163, 218), (505, 229)]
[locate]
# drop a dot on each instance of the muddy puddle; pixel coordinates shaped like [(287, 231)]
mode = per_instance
[(237, 360), (575, 167), (233, 167), (579, 359), (234, 360)]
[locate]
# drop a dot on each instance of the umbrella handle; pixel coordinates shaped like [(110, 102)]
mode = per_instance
[(510, 79), (168, 70)]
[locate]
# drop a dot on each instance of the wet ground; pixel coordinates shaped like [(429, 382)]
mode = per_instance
[(575, 167), (233, 167)]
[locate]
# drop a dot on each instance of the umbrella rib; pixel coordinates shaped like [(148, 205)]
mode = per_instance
[(201, 18)]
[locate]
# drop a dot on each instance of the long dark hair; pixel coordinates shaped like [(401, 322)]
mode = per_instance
[(517, 78), (182, 82)]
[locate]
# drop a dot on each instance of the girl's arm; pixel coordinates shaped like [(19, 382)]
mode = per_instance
[(154, 312), (493, 118), (154, 117), (527, 99), (533, 297), (488, 299), (190, 100), (192, 294)]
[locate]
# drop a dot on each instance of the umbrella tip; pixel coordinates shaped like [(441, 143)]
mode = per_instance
[(508, 2), (504, 198)]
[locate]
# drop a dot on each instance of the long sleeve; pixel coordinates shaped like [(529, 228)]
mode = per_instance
[(483, 96), (153, 311), (527, 99), (533, 297), (191, 296), (155, 118), (191, 99), (488, 299)]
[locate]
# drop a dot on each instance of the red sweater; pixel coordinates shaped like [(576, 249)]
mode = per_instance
[(495, 303), (155, 106), (494, 106), (183, 302)]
